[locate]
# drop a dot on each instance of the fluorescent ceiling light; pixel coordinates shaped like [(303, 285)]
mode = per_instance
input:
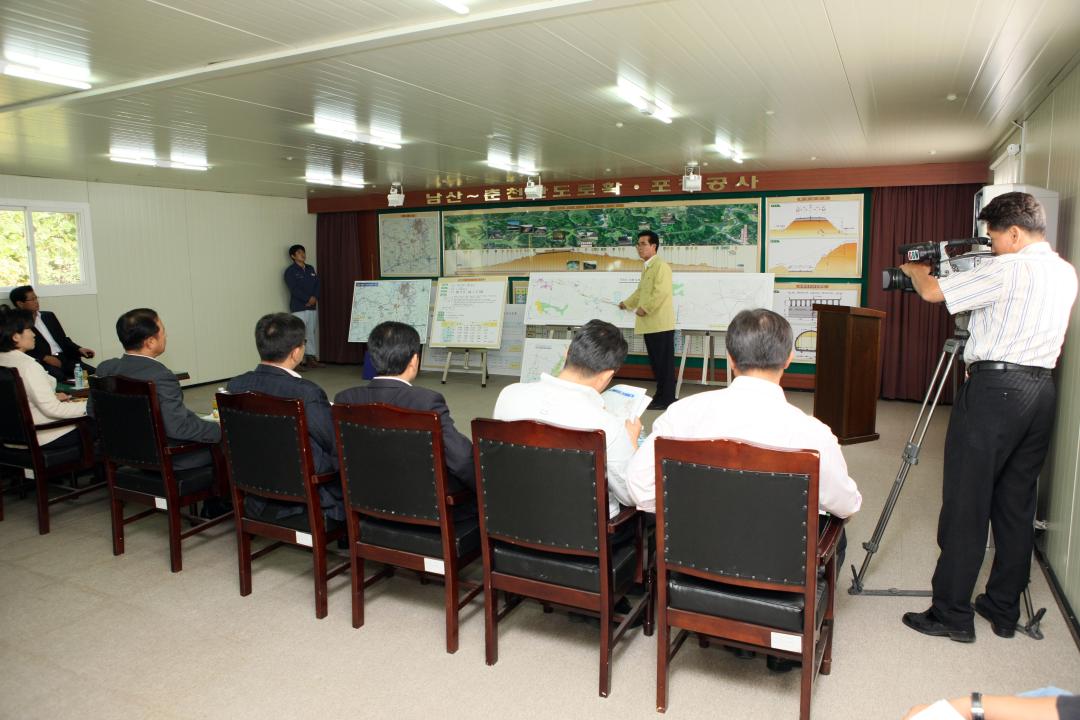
[(633, 95), (508, 167), (335, 128), (133, 159), (352, 181), (31, 74), (57, 73), (177, 165), (320, 177), (459, 7)]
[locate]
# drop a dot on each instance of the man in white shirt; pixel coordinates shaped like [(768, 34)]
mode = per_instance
[(759, 349), (573, 400), (1002, 418)]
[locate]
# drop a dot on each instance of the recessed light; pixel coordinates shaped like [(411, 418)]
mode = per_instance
[(933, 152), (459, 7), (950, 97), (704, 164), (813, 157), (618, 124), (607, 169), (287, 157), (770, 112)]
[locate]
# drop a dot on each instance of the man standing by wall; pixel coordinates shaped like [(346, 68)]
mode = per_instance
[(1002, 418), (653, 305), (303, 287)]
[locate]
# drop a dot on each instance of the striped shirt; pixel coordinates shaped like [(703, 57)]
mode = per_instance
[(1019, 304)]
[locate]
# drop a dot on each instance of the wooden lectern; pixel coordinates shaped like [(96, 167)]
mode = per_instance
[(848, 371)]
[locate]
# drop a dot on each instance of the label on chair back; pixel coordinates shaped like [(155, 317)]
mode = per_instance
[(433, 565), (303, 538), (161, 503), (28, 474), (783, 641)]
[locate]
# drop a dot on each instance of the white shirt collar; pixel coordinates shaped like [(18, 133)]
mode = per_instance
[(392, 377), (585, 390), (758, 385), (649, 261)]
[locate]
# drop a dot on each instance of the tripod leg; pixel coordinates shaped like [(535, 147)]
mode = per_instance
[(942, 373), (1031, 628)]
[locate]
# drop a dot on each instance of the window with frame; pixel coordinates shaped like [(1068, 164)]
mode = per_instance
[(47, 245)]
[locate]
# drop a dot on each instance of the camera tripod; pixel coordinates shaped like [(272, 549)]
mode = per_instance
[(953, 348)]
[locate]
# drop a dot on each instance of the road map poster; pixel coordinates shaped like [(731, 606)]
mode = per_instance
[(795, 301), (695, 235), (814, 236), (542, 355), (409, 244), (375, 301)]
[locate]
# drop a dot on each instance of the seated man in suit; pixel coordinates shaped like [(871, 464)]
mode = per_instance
[(279, 338), (143, 338), (56, 352), (573, 400), (394, 348)]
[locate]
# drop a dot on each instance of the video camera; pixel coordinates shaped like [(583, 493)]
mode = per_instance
[(945, 258)]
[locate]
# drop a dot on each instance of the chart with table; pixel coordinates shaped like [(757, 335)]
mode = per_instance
[(469, 312)]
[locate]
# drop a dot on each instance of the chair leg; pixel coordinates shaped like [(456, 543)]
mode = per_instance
[(42, 503), (243, 553), (806, 685), (491, 622), (318, 554), (117, 511), (357, 586), (663, 643), (605, 648), (451, 585), (650, 603), (175, 560)]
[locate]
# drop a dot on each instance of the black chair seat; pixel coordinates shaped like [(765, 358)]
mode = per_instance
[(188, 482), (762, 607), (568, 570), (296, 521), (19, 457), (420, 539)]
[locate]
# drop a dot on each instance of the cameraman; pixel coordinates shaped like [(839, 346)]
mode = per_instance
[(1002, 417)]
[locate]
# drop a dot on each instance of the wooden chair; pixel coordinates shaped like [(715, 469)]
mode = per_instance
[(401, 511), (17, 428), (545, 532), (740, 556), (140, 463), (269, 458)]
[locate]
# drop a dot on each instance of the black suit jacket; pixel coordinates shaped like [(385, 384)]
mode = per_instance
[(271, 380), (41, 345), (456, 447)]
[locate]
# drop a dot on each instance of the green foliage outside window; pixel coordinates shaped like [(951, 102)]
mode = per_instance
[(56, 248), (14, 255)]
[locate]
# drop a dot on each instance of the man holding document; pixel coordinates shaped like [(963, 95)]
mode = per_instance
[(573, 400)]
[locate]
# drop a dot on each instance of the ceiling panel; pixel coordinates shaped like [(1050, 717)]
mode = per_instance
[(846, 82)]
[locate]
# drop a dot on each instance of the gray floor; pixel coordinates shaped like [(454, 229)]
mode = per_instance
[(84, 634)]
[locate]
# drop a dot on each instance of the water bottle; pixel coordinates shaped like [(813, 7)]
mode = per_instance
[(80, 382)]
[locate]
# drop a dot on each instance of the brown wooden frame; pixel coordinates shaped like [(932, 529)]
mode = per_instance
[(174, 501), (544, 435), (736, 455), (43, 474), (245, 527), (395, 418)]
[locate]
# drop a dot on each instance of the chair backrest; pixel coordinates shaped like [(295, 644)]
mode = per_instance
[(266, 444), (541, 485), (391, 460), (737, 511), (128, 420), (16, 422)]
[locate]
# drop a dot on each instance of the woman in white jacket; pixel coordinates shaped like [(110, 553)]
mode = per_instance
[(46, 405)]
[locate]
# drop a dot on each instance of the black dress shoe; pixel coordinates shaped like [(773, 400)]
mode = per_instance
[(657, 406), (780, 665), (1001, 630), (928, 624)]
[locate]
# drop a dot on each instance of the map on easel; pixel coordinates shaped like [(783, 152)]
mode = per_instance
[(375, 301), (469, 312)]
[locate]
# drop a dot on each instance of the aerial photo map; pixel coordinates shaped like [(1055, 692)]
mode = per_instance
[(695, 235)]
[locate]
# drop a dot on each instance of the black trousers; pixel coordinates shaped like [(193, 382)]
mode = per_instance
[(997, 441), (661, 349), (66, 371)]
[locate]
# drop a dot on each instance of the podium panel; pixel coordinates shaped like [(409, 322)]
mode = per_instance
[(848, 371)]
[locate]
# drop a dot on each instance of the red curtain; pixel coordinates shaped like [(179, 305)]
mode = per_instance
[(339, 249), (915, 331)]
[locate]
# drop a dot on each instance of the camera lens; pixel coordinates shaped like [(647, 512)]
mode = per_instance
[(894, 279)]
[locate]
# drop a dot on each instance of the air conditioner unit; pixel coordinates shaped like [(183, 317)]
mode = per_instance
[(1047, 198)]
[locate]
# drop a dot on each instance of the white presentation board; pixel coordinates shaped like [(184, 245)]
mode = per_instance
[(543, 356), (504, 361), (375, 301), (469, 312), (703, 301)]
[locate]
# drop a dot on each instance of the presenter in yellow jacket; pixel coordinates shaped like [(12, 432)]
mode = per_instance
[(653, 305)]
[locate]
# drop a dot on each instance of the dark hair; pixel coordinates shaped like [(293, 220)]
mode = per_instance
[(1015, 208), (597, 347), (135, 327), (654, 239), (12, 322), (294, 248), (392, 345), (759, 340), (277, 335), (18, 294)]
